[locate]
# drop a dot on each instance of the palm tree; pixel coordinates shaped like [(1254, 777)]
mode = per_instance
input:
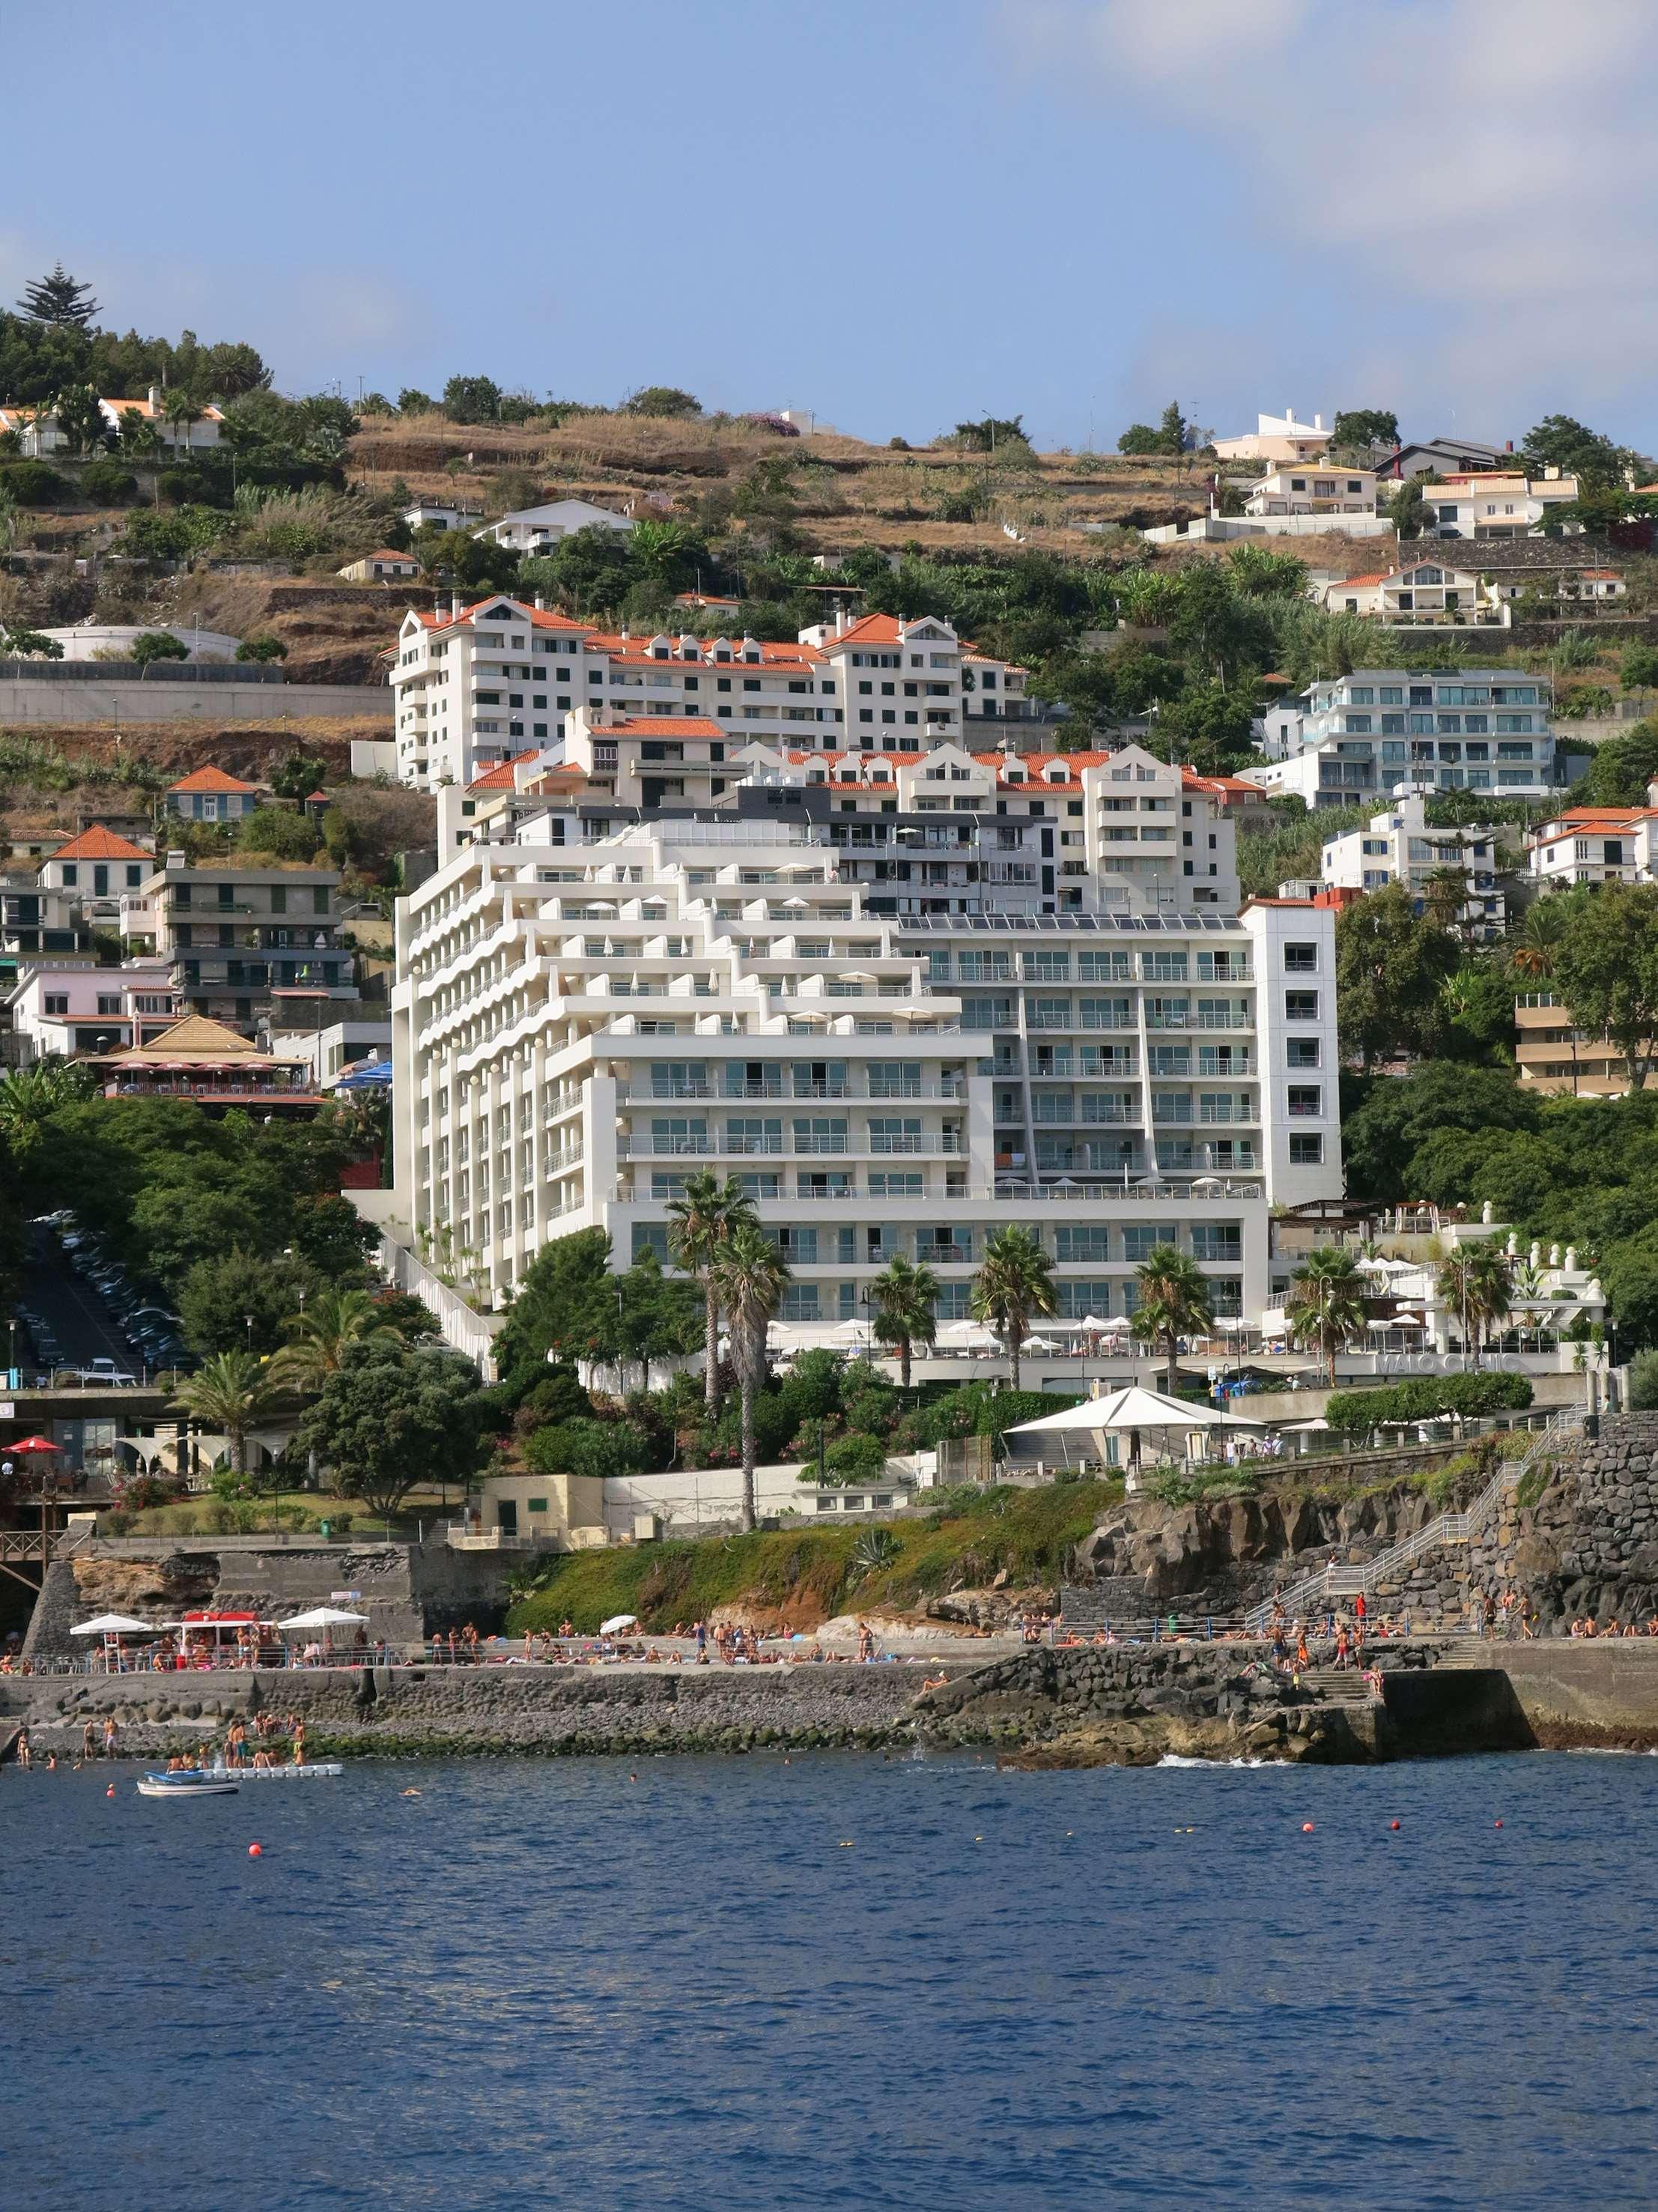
[(705, 1216), (1175, 1300), (1326, 1305), (748, 1274), (181, 411), (1474, 1280), (320, 1334), (1014, 1282), (904, 1298), (30, 1096), (1539, 941), (231, 1391)]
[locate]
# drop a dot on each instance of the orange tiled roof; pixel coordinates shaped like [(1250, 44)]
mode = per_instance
[(100, 844), (500, 778), (660, 725), (210, 779)]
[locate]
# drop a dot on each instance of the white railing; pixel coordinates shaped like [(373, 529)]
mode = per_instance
[(468, 1331), (1331, 1581)]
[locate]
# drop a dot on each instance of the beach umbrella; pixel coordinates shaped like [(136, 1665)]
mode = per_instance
[(618, 1620), (112, 1623), (33, 1444), (324, 1616)]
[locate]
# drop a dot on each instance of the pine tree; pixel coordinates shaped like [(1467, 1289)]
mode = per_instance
[(59, 300)]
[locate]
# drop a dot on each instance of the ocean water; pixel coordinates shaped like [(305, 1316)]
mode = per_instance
[(846, 1980)]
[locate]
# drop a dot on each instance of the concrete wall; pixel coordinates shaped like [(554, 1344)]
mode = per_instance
[(28, 699)]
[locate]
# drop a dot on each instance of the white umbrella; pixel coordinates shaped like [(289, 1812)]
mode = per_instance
[(618, 1620), (1133, 1406), (1040, 1344), (112, 1623), (1099, 1327), (969, 1335), (324, 1616)]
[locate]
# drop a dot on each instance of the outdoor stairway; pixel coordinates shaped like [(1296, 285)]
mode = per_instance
[(1337, 1685), (1326, 1587)]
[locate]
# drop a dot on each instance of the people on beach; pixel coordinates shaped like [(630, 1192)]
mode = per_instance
[(109, 1736)]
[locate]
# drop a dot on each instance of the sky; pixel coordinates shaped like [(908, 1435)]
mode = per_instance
[(896, 213)]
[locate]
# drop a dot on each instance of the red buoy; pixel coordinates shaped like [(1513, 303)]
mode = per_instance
[(1499, 1824), (256, 1851), (1393, 1824), (1306, 1828)]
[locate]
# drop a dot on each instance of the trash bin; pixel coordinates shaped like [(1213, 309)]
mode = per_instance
[(325, 1529)]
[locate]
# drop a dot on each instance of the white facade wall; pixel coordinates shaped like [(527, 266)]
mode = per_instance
[(68, 1009)]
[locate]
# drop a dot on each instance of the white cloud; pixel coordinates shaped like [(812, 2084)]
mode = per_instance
[(1471, 183)]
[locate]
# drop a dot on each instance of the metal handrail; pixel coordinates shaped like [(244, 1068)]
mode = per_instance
[(1328, 1582)]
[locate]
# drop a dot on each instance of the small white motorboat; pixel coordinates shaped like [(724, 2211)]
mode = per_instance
[(323, 1771), (189, 1782)]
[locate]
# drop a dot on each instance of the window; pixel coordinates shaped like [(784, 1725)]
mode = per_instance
[(1217, 1240), (1300, 1052), (1083, 1242), (107, 1005), (1306, 1100), (72, 875), (57, 1002), (1300, 959), (1140, 1239), (1301, 1006), (1306, 1151)]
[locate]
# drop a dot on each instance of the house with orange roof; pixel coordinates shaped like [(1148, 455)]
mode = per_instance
[(97, 866), (192, 430), (1422, 591), (211, 795), (386, 567), (1595, 845)]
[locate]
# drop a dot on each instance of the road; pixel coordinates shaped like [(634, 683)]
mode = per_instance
[(84, 1326)]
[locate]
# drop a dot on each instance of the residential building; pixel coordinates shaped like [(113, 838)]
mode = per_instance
[(1299, 488), (1363, 734), (1591, 584), (437, 513), (73, 1009), (37, 433), (1417, 592), (209, 795), (1399, 848), (386, 567), (1445, 457), (1550, 1055), (476, 685), (241, 940), (1594, 845), (708, 603), (538, 529), (36, 918), (97, 866), (578, 1026), (1488, 505), (1278, 438)]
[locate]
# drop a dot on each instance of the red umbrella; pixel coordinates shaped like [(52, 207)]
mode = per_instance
[(33, 1444)]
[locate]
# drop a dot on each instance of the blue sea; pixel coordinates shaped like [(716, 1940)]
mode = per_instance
[(846, 1980)]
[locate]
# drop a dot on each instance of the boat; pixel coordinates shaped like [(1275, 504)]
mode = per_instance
[(189, 1782), (323, 1771)]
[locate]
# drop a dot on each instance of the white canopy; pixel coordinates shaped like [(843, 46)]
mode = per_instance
[(618, 1620), (112, 1623), (969, 1335), (324, 1616), (1303, 1428), (1133, 1407), (1040, 1344)]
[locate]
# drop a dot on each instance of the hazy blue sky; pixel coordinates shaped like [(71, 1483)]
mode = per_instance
[(897, 212)]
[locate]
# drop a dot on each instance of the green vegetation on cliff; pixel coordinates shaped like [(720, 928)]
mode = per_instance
[(811, 1574)]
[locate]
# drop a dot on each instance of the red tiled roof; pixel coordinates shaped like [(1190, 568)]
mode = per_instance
[(500, 778), (660, 725), (100, 844), (210, 779), (538, 618)]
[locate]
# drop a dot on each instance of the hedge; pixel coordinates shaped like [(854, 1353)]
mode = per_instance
[(1426, 1398)]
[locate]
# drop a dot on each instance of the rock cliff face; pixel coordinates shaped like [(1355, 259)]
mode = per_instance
[(1231, 1551)]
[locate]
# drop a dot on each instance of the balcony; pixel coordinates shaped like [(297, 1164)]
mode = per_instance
[(1217, 1018)]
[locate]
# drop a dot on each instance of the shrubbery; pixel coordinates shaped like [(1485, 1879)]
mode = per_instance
[(1426, 1398)]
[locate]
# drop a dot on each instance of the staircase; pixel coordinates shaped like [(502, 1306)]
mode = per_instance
[(1314, 1592), (1337, 1685)]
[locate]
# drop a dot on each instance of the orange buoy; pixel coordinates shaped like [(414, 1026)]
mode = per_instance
[(1306, 1828), (1393, 1824), (256, 1851)]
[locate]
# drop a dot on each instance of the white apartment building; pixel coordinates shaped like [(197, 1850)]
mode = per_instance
[(1487, 504), (1399, 848), (539, 529), (1298, 489), (578, 1026), (74, 1008), (1596, 845), (1418, 592), (476, 685), (441, 513), (1361, 735), (1278, 438)]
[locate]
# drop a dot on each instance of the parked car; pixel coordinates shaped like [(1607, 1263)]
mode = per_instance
[(102, 1372)]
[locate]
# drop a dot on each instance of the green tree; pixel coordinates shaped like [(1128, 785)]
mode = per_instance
[(560, 1305), (1361, 428), (703, 1221), (471, 399), (1325, 1307), (264, 647), (669, 552), (656, 1318), (994, 431), (1607, 970), (59, 300), (158, 645), (391, 1418), (1621, 768), (79, 418), (219, 1297), (662, 399), (412, 401), (1531, 952), (1638, 668), (1208, 728), (1139, 438), (1562, 442), (1407, 508), (903, 1304), (1389, 968), (1014, 1285), (1473, 1281), (1173, 1298), (231, 1392), (279, 832), (29, 645), (30, 1097), (749, 1277), (322, 1331)]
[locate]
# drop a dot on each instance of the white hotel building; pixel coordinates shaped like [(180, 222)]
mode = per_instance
[(584, 1014), (475, 685)]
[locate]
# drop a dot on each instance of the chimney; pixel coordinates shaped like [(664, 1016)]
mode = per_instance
[(1318, 422), (154, 395), (624, 633), (456, 608), (539, 604), (840, 618), (1507, 444)]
